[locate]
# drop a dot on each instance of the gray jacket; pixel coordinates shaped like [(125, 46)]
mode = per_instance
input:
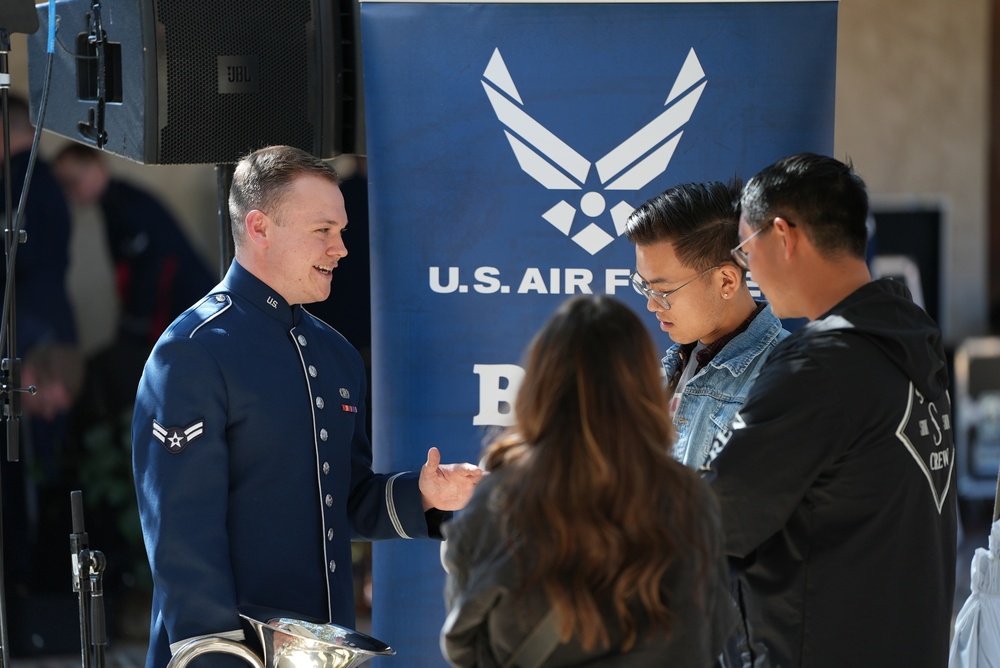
[(486, 623)]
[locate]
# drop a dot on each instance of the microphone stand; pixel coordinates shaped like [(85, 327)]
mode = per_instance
[(88, 582)]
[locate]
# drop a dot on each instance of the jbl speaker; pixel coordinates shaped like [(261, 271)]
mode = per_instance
[(205, 82)]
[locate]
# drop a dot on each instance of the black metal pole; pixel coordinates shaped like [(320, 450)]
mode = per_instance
[(10, 369), (98, 629), (8, 237), (223, 180), (79, 556)]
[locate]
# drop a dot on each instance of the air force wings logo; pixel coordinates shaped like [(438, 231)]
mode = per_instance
[(175, 439), (557, 166)]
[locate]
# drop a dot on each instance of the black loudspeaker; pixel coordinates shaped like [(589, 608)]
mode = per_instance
[(205, 82)]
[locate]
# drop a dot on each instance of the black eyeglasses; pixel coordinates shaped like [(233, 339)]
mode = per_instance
[(640, 286), (740, 255)]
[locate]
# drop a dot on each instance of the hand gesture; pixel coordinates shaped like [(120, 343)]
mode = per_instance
[(447, 486)]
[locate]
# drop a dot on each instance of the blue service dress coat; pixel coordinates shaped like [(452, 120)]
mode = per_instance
[(253, 467)]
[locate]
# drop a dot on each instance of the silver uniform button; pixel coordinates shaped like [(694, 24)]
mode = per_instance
[(312, 371), (323, 435), (220, 298), (302, 340), (329, 534), (333, 566), (326, 468), (319, 402), (329, 500)]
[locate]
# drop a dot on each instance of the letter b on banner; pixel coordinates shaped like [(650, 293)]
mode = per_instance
[(498, 385)]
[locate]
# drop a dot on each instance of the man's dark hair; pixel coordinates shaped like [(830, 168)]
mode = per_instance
[(822, 195), (701, 220), (260, 180)]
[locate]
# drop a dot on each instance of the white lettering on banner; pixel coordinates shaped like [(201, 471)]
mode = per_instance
[(498, 385), (614, 279), (534, 280), (578, 278), (488, 281), (435, 279)]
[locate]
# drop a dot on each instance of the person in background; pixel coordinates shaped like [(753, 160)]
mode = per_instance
[(43, 260), (158, 272), (700, 298), (836, 479), (252, 465), (586, 514)]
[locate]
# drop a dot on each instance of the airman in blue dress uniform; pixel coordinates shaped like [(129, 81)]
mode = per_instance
[(251, 459)]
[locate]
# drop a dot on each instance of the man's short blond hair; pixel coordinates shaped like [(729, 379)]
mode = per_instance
[(261, 178)]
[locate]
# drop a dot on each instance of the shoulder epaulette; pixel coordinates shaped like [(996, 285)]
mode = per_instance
[(208, 309)]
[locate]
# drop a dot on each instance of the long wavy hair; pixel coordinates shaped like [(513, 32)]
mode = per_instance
[(590, 475)]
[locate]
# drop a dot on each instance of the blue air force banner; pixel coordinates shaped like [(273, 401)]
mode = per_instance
[(507, 145)]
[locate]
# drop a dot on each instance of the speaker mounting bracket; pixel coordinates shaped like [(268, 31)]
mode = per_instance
[(93, 128)]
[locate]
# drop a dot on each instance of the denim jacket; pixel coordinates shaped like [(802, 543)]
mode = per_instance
[(714, 394)]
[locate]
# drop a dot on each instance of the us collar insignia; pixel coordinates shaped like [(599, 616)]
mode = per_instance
[(175, 439)]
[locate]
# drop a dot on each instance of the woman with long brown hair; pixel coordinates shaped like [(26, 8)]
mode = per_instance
[(586, 514)]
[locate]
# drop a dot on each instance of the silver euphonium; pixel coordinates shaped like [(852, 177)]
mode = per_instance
[(291, 643)]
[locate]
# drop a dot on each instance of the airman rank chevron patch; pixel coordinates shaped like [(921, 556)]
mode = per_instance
[(175, 439)]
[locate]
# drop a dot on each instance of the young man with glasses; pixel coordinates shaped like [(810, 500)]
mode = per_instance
[(700, 297), (836, 479)]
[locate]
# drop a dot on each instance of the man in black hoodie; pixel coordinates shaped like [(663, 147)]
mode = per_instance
[(836, 479)]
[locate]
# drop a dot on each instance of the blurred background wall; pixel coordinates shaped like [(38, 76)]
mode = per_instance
[(913, 92)]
